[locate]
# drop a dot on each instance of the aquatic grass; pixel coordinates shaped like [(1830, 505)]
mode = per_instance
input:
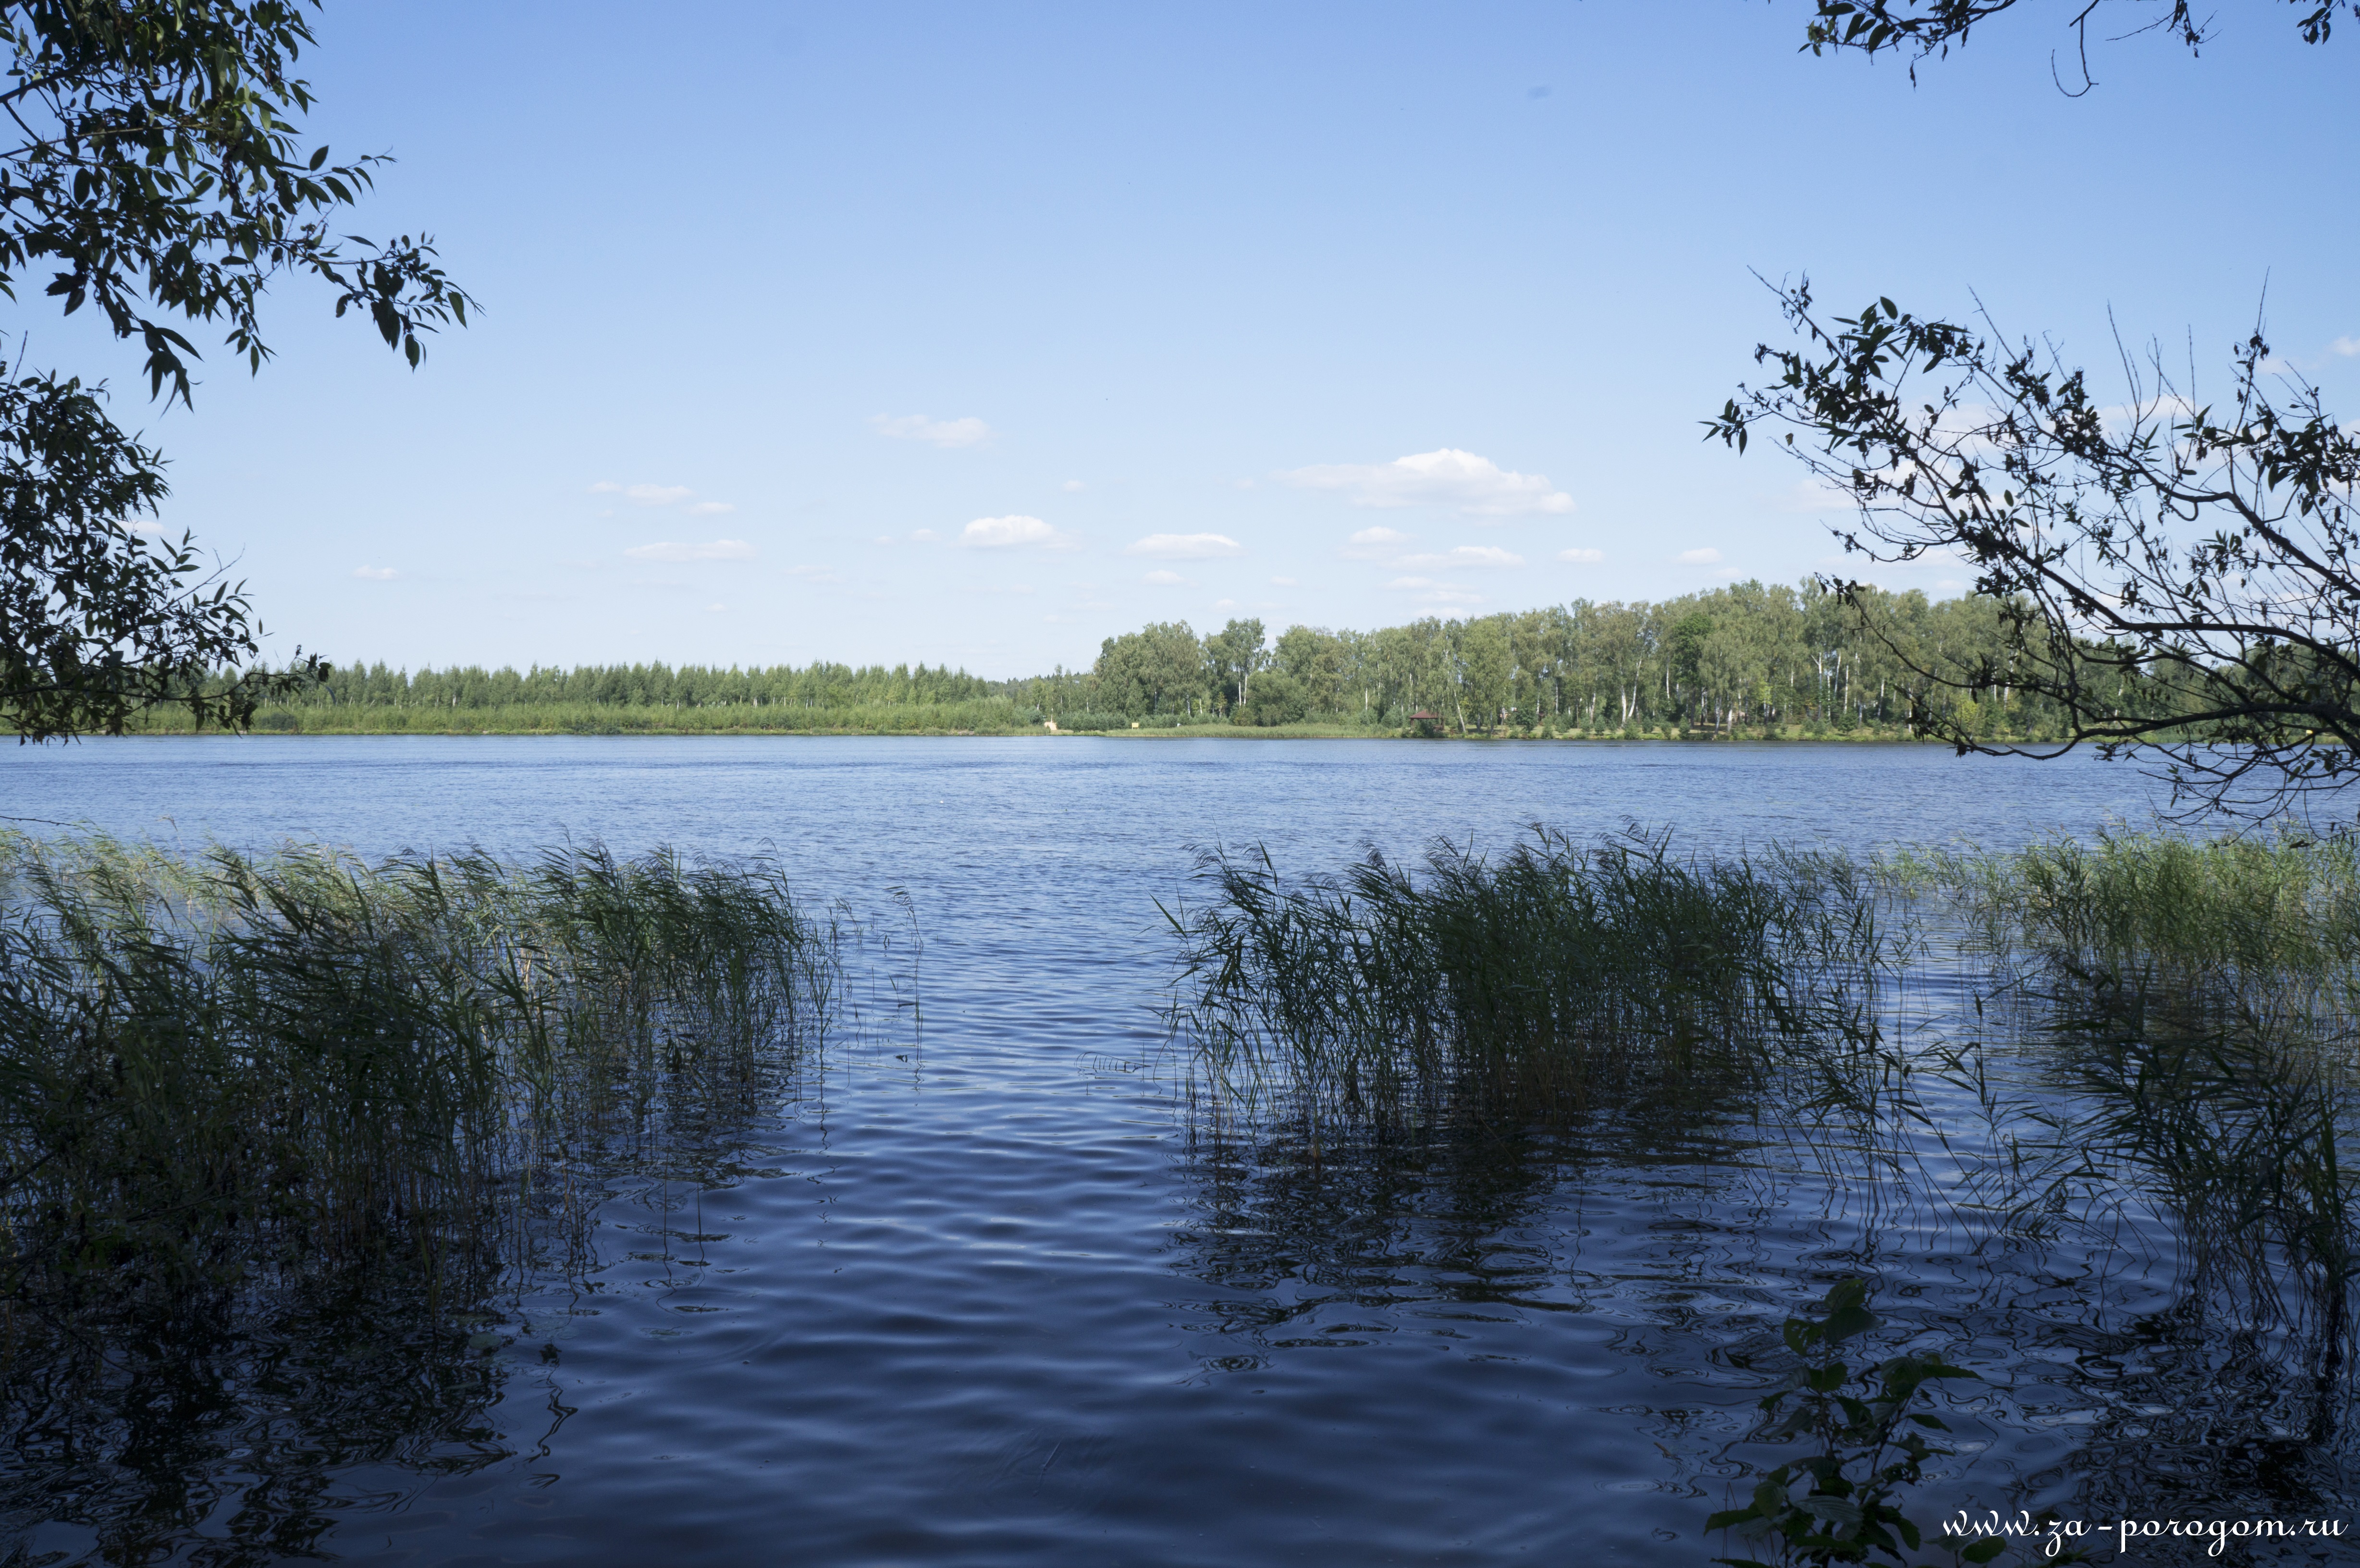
[(1559, 975), (2203, 995), (2224, 919), (221, 1072)]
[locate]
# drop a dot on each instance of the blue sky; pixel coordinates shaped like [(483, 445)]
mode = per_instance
[(976, 334)]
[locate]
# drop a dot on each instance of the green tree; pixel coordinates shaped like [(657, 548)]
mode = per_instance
[(1484, 667), (156, 175), (1234, 653), (1157, 670)]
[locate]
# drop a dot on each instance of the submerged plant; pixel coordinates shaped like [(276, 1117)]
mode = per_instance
[(1843, 1501)]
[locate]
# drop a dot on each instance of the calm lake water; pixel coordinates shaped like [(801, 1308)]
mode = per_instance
[(992, 1295)]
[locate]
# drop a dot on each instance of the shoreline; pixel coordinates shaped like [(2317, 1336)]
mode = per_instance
[(1188, 731)]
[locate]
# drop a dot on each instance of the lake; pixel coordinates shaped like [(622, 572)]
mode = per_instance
[(989, 1290)]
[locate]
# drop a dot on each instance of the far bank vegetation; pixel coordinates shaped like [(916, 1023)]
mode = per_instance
[(1745, 661)]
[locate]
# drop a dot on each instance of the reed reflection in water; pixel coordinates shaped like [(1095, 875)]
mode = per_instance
[(301, 1150), (2077, 1111)]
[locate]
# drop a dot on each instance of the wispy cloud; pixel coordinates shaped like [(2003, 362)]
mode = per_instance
[(1185, 546), (1581, 556), (1373, 544), (1074, 486), (969, 432), (1708, 555), (711, 508), (645, 495), (716, 549), (2347, 347), (1285, 582), (1003, 533), (1456, 481), (375, 574), (1163, 578), (1465, 555)]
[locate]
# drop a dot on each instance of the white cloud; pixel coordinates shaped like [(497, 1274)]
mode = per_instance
[(1465, 555), (2347, 347), (941, 432), (1580, 556), (1185, 546), (998, 533), (1074, 486), (1165, 578), (1285, 582), (925, 536), (645, 495), (1460, 481), (1373, 544), (151, 527), (375, 574), (718, 549), (1705, 557), (711, 508)]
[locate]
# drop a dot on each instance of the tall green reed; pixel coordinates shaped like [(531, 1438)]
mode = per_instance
[(222, 1070), (2189, 1010), (1554, 976)]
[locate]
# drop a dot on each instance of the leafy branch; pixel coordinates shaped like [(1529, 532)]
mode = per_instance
[(2179, 579)]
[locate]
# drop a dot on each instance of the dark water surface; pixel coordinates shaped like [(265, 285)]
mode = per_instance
[(988, 1292)]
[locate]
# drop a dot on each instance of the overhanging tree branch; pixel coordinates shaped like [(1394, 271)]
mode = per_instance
[(2179, 580)]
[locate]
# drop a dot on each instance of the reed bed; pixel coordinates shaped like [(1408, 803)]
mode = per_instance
[(285, 1143), (2151, 1025), (2080, 1060), (226, 1072), (2226, 920), (2183, 1016), (1554, 976)]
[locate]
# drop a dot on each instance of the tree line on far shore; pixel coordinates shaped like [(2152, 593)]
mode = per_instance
[(1747, 659)]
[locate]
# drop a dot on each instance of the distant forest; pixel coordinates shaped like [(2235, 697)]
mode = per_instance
[(1748, 659)]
